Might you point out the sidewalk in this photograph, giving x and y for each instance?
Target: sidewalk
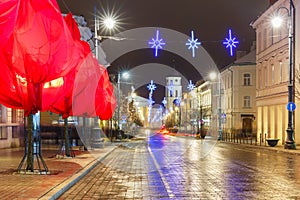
(64, 172)
(279, 148)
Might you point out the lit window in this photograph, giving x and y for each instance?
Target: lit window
(247, 79)
(247, 100)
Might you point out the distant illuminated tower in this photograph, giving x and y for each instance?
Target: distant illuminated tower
(173, 89)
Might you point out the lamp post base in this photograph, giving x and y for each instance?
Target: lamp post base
(220, 136)
(290, 143)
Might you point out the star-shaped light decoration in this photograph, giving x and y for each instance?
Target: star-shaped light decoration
(151, 86)
(151, 102)
(230, 42)
(193, 43)
(157, 43)
(191, 86)
(164, 102)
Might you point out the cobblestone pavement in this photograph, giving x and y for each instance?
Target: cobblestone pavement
(167, 167)
(63, 171)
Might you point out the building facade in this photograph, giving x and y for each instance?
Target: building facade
(11, 127)
(173, 90)
(238, 90)
(196, 109)
(272, 58)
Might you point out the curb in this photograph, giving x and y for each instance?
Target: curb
(277, 149)
(61, 188)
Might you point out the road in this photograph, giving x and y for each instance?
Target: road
(168, 167)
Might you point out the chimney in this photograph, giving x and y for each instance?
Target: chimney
(272, 2)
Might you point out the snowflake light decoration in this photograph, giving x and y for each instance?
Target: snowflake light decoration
(230, 42)
(193, 43)
(191, 86)
(151, 86)
(157, 43)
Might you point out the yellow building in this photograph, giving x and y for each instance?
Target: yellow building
(273, 59)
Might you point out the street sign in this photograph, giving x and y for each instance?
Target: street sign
(291, 106)
(224, 115)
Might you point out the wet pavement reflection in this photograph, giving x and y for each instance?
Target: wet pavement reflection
(168, 167)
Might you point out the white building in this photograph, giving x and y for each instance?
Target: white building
(239, 84)
(173, 90)
(272, 58)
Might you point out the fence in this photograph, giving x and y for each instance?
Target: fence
(252, 139)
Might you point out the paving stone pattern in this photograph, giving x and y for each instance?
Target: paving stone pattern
(144, 171)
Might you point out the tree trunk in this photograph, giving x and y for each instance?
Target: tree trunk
(30, 162)
(66, 138)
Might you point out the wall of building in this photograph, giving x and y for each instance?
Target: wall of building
(273, 74)
(11, 127)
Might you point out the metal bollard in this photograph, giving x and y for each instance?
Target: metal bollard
(260, 139)
(265, 139)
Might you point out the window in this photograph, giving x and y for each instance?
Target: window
(280, 72)
(259, 43)
(3, 133)
(273, 74)
(264, 45)
(247, 79)
(171, 88)
(266, 83)
(247, 101)
(1, 114)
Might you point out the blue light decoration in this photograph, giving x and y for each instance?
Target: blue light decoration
(164, 102)
(151, 87)
(157, 43)
(177, 102)
(193, 43)
(230, 42)
(191, 86)
(171, 88)
(151, 101)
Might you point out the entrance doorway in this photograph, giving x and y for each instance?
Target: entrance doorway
(247, 127)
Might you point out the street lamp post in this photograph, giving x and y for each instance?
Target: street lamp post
(220, 137)
(118, 111)
(290, 143)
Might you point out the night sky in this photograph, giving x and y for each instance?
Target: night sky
(210, 20)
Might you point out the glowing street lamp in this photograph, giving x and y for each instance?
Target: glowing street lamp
(109, 23)
(277, 21)
(106, 21)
